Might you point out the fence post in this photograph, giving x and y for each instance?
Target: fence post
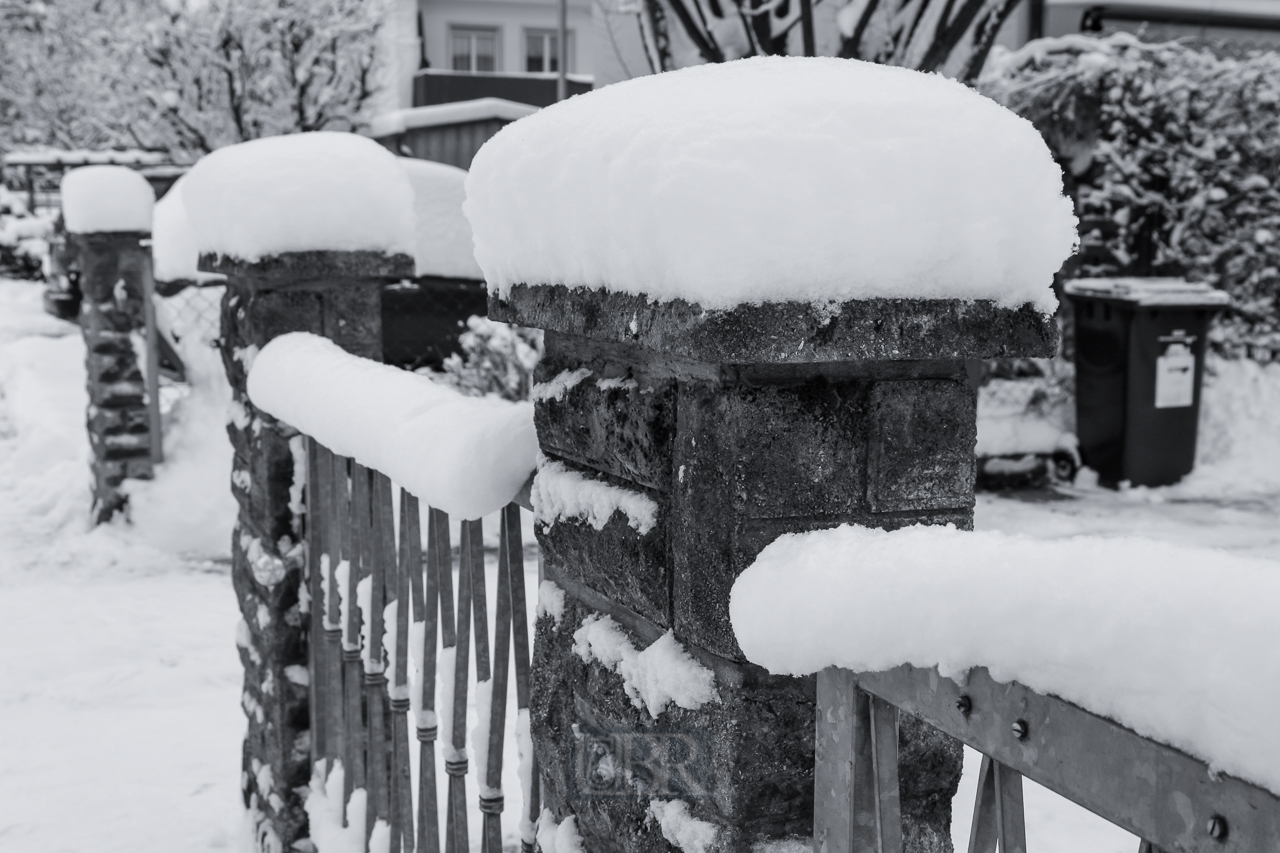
(337, 295)
(740, 426)
(116, 270)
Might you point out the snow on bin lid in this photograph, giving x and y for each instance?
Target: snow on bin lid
(105, 199)
(1178, 643)
(774, 179)
(443, 244)
(1148, 291)
(297, 193)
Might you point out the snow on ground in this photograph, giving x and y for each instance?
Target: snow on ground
(120, 703)
(867, 181)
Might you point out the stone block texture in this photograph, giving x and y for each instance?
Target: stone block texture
(737, 440)
(325, 294)
(112, 270)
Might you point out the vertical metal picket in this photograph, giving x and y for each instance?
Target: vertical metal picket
(514, 547)
(456, 836)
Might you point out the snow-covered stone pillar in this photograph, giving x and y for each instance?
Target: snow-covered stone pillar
(107, 210)
(759, 282)
(268, 216)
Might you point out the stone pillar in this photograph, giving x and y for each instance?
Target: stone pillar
(336, 295)
(741, 426)
(113, 266)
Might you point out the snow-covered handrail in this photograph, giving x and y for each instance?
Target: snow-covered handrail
(1131, 676)
(467, 456)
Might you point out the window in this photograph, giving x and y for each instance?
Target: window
(474, 48)
(542, 51)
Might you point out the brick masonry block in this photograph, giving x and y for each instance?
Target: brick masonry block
(923, 456)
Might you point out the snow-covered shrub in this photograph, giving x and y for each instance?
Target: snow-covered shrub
(1173, 155)
(24, 238)
(497, 359)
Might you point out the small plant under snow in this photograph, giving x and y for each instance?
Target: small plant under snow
(560, 493)
(681, 828)
(653, 678)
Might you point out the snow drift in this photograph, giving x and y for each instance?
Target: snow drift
(297, 193)
(774, 179)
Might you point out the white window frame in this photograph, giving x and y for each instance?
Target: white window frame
(472, 31)
(547, 34)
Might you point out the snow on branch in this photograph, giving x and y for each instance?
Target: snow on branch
(468, 456)
(1180, 644)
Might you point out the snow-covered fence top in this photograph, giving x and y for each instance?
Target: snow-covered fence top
(299, 193)
(467, 456)
(774, 179)
(1179, 644)
(99, 199)
(442, 235)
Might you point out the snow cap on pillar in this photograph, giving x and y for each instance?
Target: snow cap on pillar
(775, 179)
(106, 199)
(305, 192)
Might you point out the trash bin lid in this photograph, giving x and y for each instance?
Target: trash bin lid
(1149, 291)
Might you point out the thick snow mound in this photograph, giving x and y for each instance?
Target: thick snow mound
(775, 179)
(468, 456)
(106, 199)
(442, 236)
(1178, 643)
(298, 193)
(175, 254)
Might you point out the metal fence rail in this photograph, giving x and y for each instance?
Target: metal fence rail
(360, 694)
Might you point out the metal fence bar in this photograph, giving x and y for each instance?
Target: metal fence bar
(491, 804)
(456, 836)
(514, 547)
(375, 679)
(401, 775)
(333, 480)
(314, 581)
(427, 608)
(353, 539)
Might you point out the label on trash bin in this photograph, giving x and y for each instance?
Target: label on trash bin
(1175, 377)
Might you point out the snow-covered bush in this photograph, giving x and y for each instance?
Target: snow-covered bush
(24, 238)
(497, 359)
(1173, 155)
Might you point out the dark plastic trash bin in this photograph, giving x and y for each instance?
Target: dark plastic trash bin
(1139, 362)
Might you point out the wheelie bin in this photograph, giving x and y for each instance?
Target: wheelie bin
(1139, 354)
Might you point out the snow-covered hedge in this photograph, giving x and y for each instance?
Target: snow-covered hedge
(1176, 153)
(1178, 643)
(468, 456)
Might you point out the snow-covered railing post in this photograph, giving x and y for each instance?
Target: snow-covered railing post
(759, 282)
(107, 210)
(307, 229)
